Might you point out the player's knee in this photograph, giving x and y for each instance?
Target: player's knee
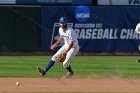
(54, 58)
(65, 65)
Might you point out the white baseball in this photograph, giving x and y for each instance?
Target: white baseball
(17, 83)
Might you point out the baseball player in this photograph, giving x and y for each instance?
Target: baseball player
(137, 30)
(69, 49)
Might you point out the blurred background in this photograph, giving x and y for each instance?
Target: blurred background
(103, 27)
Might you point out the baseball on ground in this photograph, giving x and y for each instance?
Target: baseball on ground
(17, 83)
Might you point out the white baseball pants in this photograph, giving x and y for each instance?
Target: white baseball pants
(71, 53)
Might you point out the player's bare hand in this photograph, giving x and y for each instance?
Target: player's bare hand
(53, 47)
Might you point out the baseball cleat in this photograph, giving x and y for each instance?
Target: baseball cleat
(41, 71)
(69, 74)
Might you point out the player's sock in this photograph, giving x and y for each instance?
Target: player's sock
(50, 64)
(69, 69)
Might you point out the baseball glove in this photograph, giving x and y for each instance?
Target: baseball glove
(61, 58)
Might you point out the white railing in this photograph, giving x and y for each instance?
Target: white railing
(118, 2)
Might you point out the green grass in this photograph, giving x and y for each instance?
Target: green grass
(84, 66)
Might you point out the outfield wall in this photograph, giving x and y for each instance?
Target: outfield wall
(100, 29)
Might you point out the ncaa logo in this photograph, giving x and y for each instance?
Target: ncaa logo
(82, 13)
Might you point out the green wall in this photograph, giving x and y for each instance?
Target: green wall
(19, 29)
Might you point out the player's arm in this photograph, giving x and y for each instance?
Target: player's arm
(57, 42)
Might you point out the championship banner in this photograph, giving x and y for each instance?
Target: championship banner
(99, 29)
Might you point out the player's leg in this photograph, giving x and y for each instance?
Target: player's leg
(139, 50)
(51, 62)
(72, 52)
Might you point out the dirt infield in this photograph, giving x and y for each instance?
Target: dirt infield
(8, 85)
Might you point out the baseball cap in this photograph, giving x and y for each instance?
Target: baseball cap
(63, 19)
